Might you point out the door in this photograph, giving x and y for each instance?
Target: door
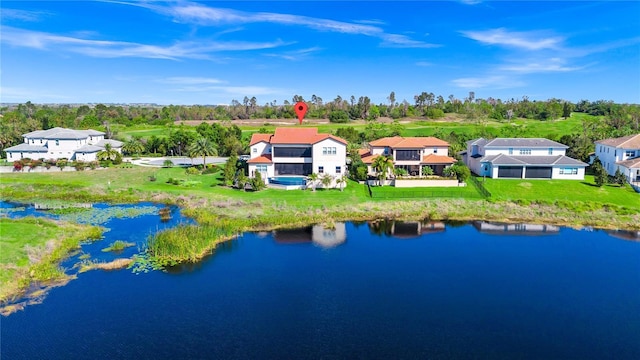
(538, 173)
(511, 172)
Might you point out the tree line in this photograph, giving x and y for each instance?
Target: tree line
(617, 119)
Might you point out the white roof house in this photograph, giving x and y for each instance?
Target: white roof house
(57, 143)
(622, 154)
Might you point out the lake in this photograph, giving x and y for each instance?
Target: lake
(385, 289)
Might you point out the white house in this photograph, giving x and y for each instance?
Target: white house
(289, 155)
(621, 153)
(521, 158)
(57, 143)
(410, 153)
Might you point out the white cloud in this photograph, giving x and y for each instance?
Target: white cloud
(493, 82)
(540, 66)
(296, 55)
(185, 80)
(22, 15)
(528, 40)
(113, 49)
(200, 14)
(424, 63)
(235, 90)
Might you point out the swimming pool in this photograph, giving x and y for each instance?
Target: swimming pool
(288, 180)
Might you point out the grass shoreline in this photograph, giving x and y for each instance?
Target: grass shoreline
(221, 212)
(32, 249)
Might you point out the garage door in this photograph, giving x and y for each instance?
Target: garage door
(538, 173)
(510, 172)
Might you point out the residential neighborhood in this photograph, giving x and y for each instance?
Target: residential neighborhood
(521, 158)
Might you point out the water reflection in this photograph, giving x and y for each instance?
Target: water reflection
(515, 229)
(321, 235)
(405, 229)
(629, 235)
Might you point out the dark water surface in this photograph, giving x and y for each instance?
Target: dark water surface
(428, 291)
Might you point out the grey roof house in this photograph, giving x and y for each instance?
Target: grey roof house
(521, 158)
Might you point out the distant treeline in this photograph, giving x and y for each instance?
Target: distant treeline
(618, 119)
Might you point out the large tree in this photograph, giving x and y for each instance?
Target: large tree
(202, 147)
(383, 166)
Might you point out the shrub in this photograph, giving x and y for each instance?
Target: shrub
(167, 163)
(192, 171)
(339, 116)
(62, 163)
(79, 165)
(93, 165)
(17, 165)
(427, 170)
(257, 183)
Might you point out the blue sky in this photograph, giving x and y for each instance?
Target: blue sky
(211, 52)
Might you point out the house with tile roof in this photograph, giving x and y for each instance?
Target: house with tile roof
(621, 153)
(410, 154)
(289, 155)
(58, 143)
(521, 158)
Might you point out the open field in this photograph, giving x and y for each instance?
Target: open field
(412, 127)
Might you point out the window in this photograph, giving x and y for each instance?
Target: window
(525, 151)
(254, 150)
(407, 154)
(550, 151)
(261, 168)
(293, 152)
(40, 141)
(435, 150)
(510, 151)
(568, 171)
(385, 151)
(57, 142)
(338, 170)
(630, 153)
(328, 151)
(320, 169)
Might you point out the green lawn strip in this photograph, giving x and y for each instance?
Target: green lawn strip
(44, 241)
(551, 191)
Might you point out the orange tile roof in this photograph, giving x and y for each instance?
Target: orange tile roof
(256, 138)
(363, 152)
(301, 136)
(386, 141)
(437, 159)
(262, 159)
(368, 158)
(408, 142)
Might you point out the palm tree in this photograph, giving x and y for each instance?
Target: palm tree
(202, 147)
(109, 153)
(340, 181)
(133, 146)
(382, 165)
(326, 180)
(313, 177)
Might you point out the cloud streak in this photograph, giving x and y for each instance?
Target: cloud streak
(115, 49)
(194, 13)
(527, 40)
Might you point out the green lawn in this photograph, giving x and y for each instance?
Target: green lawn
(391, 192)
(45, 241)
(563, 190)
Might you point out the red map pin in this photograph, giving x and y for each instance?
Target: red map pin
(301, 109)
